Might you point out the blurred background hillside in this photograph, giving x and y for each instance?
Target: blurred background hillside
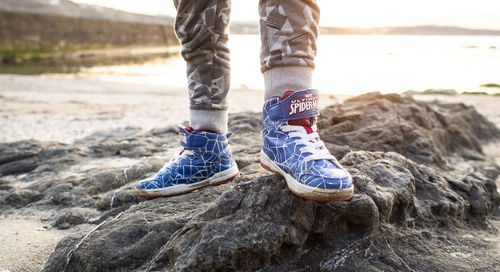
(41, 28)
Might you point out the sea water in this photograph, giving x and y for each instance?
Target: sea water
(363, 63)
(348, 64)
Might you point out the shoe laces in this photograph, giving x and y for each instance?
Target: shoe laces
(310, 141)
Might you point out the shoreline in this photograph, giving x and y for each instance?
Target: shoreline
(30, 56)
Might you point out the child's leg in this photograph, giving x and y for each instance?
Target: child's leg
(202, 27)
(206, 158)
(291, 144)
(288, 31)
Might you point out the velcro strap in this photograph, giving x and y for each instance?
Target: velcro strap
(298, 105)
(190, 140)
(197, 139)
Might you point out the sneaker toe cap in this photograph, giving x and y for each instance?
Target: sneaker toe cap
(143, 185)
(147, 185)
(329, 179)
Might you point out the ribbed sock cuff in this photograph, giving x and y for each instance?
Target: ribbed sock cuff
(281, 79)
(215, 120)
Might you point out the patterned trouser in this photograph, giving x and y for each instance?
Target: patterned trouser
(289, 29)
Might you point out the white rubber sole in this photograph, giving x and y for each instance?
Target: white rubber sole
(318, 194)
(219, 178)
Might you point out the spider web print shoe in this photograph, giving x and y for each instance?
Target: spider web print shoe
(296, 152)
(205, 160)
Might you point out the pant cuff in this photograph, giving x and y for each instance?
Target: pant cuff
(281, 79)
(214, 120)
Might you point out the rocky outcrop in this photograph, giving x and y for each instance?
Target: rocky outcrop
(428, 133)
(413, 208)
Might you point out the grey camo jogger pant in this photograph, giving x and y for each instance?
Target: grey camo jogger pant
(289, 29)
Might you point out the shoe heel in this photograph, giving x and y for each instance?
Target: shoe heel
(226, 180)
(267, 168)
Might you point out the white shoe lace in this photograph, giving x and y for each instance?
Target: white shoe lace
(312, 143)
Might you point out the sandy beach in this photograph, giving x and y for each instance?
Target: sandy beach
(64, 110)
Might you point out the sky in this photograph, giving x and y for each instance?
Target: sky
(354, 13)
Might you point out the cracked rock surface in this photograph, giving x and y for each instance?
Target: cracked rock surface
(425, 194)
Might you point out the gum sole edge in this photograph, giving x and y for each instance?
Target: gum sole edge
(316, 196)
(148, 195)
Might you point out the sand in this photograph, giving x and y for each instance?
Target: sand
(27, 242)
(64, 110)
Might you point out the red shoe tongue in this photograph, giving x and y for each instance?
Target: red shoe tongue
(305, 122)
(287, 94)
(190, 130)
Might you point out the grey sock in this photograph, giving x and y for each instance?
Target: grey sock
(214, 120)
(281, 79)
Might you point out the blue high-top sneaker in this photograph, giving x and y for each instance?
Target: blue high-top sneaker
(292, 148)
(205, 160)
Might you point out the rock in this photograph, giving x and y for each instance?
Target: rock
(5, 185)
(19, 166)
(18, 157)
(20, 198)
(426, 133)
(259, 224)
(26, 156)
(433, 92)
(17, 151)
(440, 91)
(117, 198)
(63, 226)
(245, 123)
(74, 216)
(422, 186)
(120, 142)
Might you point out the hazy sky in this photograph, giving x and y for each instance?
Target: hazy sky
(355, 13)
